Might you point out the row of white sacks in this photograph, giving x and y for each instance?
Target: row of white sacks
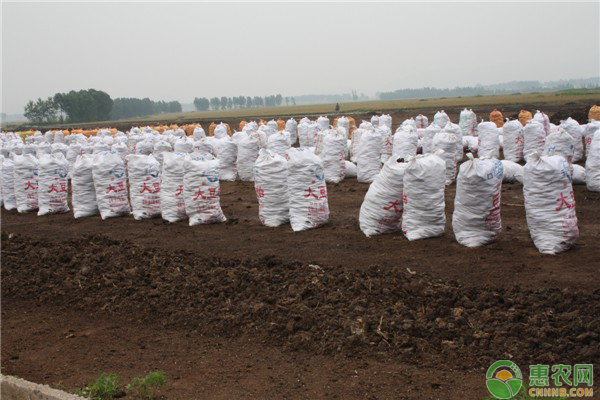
(405, 196)
(369, 147)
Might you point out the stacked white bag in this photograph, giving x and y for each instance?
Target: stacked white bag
(513, 140)
(387, 144)
(227, 154)
(172, 202)
(291, 126)
(247, 154)
(75, 150)
(270, 184)
(468, 122)
(576, 132)
(198, 133)
(307, 133)
(561, 144)
(110, 182)
(476, 219)
(441, 119)
(160, 148)
(332, 153)
(26, 182)
(423, 198)
(489, 142)
(53, 184)
(588, 134)
(323, 123)
(455, 129)
(550, 203)
(309, 207)
(202, 192)
(405, 142)
(534, 137)
(421, 121)
(356, 135)
(512, 172)
(446, 142)
(278, 143)
(375, 121)
(83, 190)
(385, 120)
(381, 210)
(428, 135)
(8, 184)
(592, 165)
(543, 119)
(368, 160)
(144, 184)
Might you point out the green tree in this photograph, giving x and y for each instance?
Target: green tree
(215, 102)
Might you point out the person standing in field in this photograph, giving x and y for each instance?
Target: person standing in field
(337, 107)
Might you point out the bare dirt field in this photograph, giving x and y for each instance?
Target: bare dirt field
(239, 310)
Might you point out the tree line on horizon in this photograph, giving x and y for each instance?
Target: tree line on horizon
(229, 103)
(93, 105)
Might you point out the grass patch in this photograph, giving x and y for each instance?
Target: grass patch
(105, 388)
(146, 387)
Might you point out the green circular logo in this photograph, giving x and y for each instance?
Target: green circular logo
(504, 379)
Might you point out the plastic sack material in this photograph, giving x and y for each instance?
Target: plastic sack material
(198, 133)
(8, 184)
(385, 120)
(592, 165)
(350, 170)
(578, 175)
(468, 122)
(309, 207)
(387, 144)
(332, 154)
(354, 144)
(110, 181)
(405, 142)
(278, 143)
(160, 148)
(248, 149)
(561, 144)
(588, 134)
(270, 184)
(307, 133)
(368, 160)
(421, 121)
(172, 202)
(202, 192)
(323, 123)
(550, 203)
(291, 126)
(227, 155)
(576, 131)
(26, 182)
(512, 172)
(543, 119)
(489, 142)
(381, 210)
(441, 119)
(83, 189)
(375, 121)
(534, 139)
(428, 135)
(446, 142)
(423, 197)
(513, 141)
(144, 185)
(455, 129)
(53, 184)
(476, 220)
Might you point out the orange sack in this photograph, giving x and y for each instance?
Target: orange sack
(524, 117)
(497, 118)
(594, 113)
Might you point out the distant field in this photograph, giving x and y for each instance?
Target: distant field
(560, 97)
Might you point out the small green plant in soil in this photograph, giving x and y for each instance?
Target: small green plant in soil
(105, 388)
(146, 387)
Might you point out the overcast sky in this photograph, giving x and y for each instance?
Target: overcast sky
(180, 51)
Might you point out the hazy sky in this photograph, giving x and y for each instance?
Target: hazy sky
(178, 51)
